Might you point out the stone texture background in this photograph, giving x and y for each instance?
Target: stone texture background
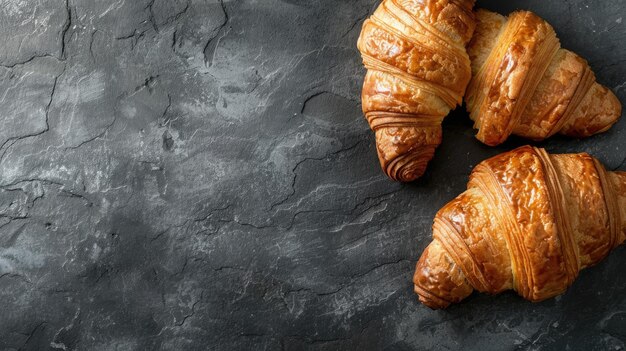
(196, 174)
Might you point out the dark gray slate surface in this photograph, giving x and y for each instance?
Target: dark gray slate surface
(197, 175)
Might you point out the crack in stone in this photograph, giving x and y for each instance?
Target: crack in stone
(175, 17)
(32, 333)
(174, 39)
(380, 226)
(30, 180)
(91, 53)
(164, 122)
(378, 266)
(193, 311)
(355, 23)
(57, 344)
(66, 29)
(311, 341)
(29, 60)
(295, 168)
(338, 210)
(151, 15)
(71, 194)
(16, 275)
(211, 46)
(14, 140)
(135, 36)
(611, 64)
(96, 137)
(306, 101)
(211, 212)
(353, 279)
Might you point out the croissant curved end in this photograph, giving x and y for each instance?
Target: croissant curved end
(409, 166)
(597, 113)
(404, 152)
(438, 281)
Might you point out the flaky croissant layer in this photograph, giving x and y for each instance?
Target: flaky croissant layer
(418, 70)
(529, 221)
(523, 83)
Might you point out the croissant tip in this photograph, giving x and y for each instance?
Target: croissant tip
(429, 300)
(489, 141)
(406, 176)
(410, 166)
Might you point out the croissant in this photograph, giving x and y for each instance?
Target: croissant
(523, 83)
(529, 221)
(418, 69)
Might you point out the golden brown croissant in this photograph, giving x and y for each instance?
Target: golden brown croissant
(529, 221)
(418, 70)
(523, 83)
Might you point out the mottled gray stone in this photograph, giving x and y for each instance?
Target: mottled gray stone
(198, 175)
